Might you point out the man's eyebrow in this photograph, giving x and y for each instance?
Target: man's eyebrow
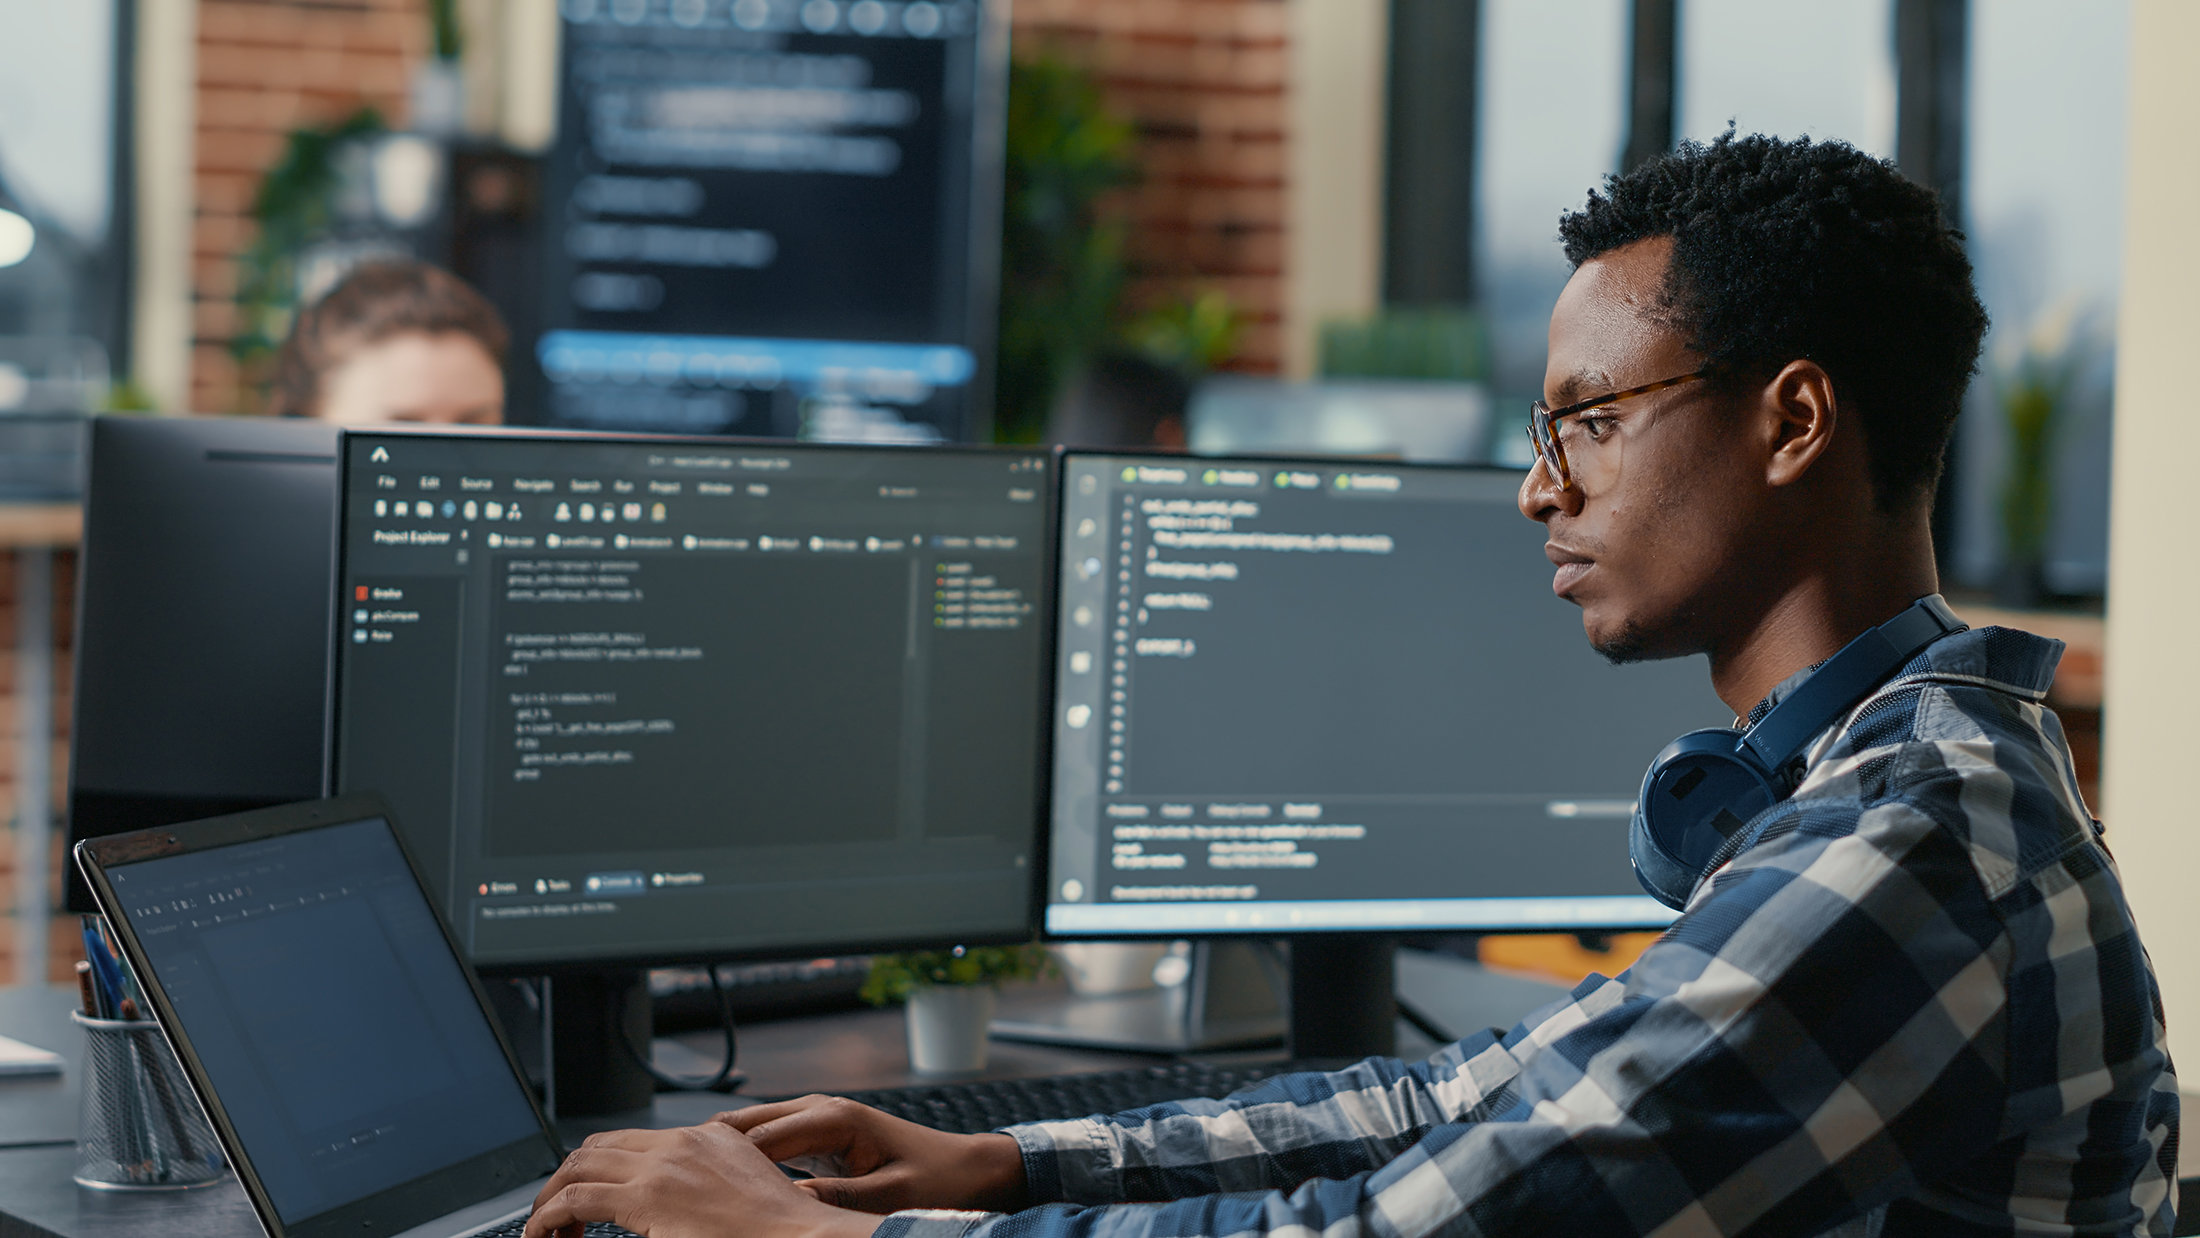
(1578, 386)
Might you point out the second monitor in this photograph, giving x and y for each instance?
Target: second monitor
(643, 701)
(1334, 697)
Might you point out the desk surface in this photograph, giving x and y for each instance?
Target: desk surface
(40, 1110)
(38, 1117)
(845, 1052)
(840, 1052)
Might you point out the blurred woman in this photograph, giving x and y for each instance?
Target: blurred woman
(394, 340)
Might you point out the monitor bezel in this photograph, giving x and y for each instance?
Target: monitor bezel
(724, 952)
(178, 454)
(1063, 458)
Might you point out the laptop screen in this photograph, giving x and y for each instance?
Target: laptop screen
(327, 1011)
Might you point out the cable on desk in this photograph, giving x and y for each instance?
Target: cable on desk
(726, 1080)
(1420, 1022)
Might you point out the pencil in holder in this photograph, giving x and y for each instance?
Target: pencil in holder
(141, 1128)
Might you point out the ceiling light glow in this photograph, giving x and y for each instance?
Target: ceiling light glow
(16, 238)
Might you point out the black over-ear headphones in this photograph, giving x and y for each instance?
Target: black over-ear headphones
(1707, 784)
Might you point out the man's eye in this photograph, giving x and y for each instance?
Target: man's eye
(1596, 426)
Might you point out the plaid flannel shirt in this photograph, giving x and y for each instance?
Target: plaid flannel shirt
(1914, 1003)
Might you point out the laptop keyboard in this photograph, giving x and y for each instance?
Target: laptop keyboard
(513, 1228)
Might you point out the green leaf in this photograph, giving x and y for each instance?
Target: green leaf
(893, 977)
(292, 207)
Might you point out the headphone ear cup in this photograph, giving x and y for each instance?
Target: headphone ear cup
(1661, 876)
(1707, 785)
(1700, 790)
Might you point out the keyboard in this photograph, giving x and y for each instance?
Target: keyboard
(979, 1106)
(514, 1227)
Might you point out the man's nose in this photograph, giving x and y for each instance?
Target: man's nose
(1541, 496)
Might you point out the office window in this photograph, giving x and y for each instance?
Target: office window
(1788, 67)
(1552, 109)
(2043, 196)
(58, 122)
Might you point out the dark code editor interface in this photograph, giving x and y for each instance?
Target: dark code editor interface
(1298, 696)
(637, 699)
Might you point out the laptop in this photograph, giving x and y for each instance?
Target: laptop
(343, 1051)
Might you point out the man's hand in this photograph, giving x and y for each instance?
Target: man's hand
(882, 1163)
(703, 1181)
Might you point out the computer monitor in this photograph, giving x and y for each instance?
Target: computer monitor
(202, 621)
(775, 217)
(649, 700)
(1323, 698)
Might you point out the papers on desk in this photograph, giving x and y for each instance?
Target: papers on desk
(17, 1059)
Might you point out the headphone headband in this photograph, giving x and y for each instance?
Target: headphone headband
(1848, 677)
(1707, 785)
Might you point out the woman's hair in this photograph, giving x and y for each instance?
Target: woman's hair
(375, 301)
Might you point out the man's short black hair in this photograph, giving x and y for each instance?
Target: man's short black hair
(1802, 249)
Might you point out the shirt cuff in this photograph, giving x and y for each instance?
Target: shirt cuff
(930, 1223)
(1067, 1162)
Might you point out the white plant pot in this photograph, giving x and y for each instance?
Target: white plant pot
(947, 1025)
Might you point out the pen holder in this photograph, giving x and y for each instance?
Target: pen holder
(141, 1128)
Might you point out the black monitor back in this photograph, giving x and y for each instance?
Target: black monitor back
(202, 621)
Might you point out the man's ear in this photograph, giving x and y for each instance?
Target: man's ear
(1800, 415)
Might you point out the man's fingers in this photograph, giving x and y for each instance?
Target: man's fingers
(823, 1129)
(599, 1164)
(573, 1206)
(753, 1116)
(632, 1140)
(591, 1163)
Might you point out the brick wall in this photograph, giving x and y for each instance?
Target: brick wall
(60, 952)
(266, 67)
(1204, 82)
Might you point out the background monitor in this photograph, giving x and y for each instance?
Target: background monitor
(1390, 418)
(775, 218)
(1331, 697)
(643, 701)
(202, 621)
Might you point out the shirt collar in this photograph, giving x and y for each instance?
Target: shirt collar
(2003, 657)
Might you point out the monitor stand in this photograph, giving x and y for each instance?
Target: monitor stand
(1344, 995)
(576, 1022)
(1231, 999)
(591, 1072)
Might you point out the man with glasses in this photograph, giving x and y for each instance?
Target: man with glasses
(1906, 999)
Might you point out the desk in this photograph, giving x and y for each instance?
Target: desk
(838, 1052)
(38, 1117)
(40, 1110)
(843, 1052)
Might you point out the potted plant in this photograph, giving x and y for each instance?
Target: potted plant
(2034, 395)
(951, 995)
(1062, 261)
